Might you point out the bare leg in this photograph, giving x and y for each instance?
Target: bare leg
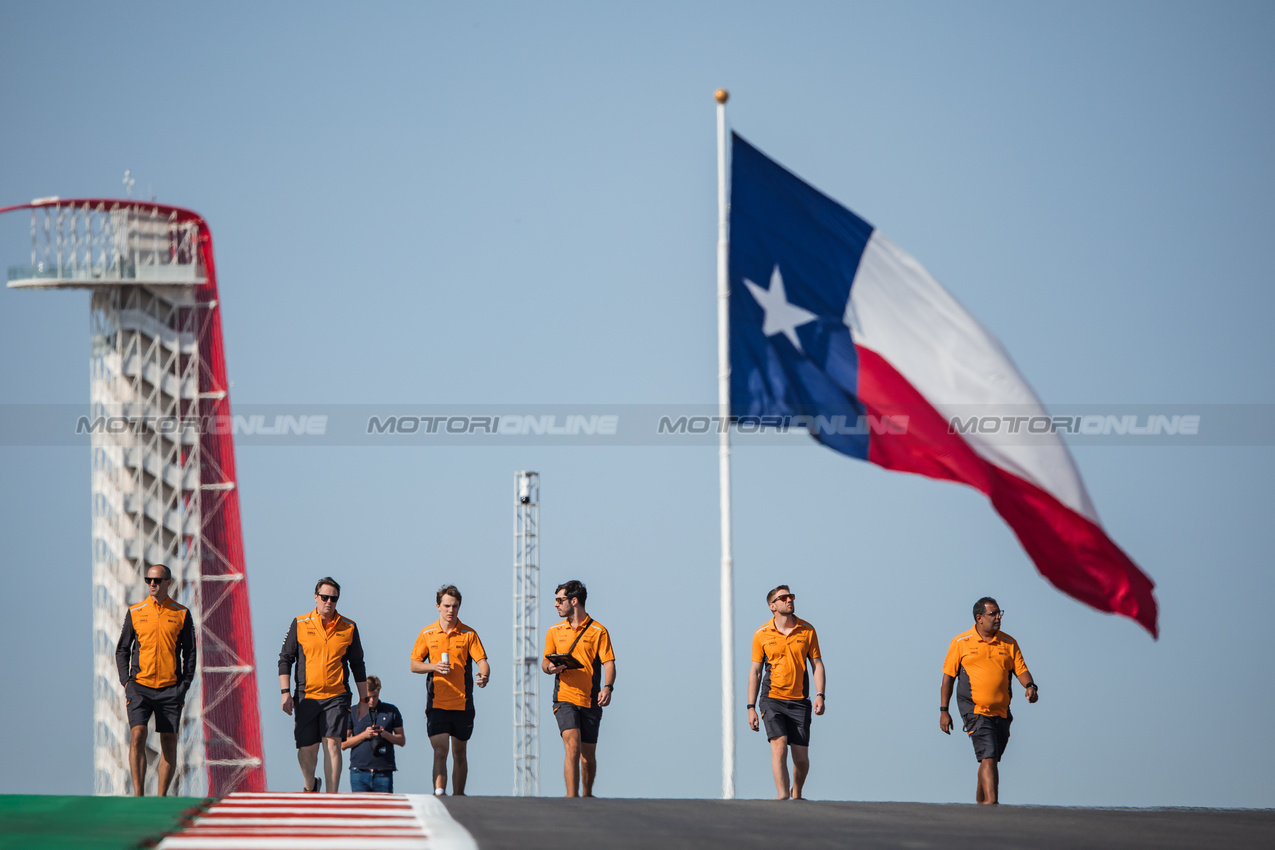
(988, 782)
(332, 763)
(571, 762)
(800, 767)
(167, 760)
(308, 758)
(460, 767)
(137, 759)
(779, 765)
(439, 743)
(588, 767)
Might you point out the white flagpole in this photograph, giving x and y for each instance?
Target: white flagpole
(723, 454)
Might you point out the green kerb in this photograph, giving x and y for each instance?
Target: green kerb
(29, 822)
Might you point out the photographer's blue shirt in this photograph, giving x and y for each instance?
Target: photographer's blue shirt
(363, 755)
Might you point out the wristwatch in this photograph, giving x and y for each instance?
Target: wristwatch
(751, 705)
(943, 708)
(612, 687)
(283, 690)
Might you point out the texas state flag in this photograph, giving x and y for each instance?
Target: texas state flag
(832, 323)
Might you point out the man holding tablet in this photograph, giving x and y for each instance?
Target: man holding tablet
(578, 654)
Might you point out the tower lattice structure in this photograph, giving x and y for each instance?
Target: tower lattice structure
(163, 472)
(526, 634)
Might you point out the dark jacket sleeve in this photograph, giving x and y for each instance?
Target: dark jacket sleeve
(186, 650)
(124, 648)
(288, 654)
(354, 655)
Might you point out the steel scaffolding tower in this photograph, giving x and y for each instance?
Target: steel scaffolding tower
(163, 479)
(526, 634)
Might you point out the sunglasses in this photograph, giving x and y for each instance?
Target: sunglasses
(327, 598)
(153, 580)
(786, 597)
(558, 600)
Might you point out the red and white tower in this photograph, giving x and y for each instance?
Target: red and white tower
(163, 470)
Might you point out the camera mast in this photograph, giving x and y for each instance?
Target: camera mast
(526, 634)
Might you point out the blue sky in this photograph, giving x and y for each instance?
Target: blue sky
(508, 204)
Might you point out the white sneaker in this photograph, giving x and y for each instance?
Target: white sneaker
(438, 792)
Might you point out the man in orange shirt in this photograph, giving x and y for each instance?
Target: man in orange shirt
(579, 693)
(326, 650)
(444, 651)
(155, 657)
(980, 662)
(779, 686)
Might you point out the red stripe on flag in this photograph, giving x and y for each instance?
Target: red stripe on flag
(1069, 550)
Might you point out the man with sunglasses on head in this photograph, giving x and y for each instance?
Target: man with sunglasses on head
(980, 663)
(326, 650)
(779, 689)
(578, 654)
(155, 657)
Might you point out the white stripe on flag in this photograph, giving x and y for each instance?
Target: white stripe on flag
(898, 310)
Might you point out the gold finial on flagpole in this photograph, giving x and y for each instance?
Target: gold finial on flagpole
(721, 95)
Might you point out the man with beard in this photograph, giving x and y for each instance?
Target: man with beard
(579, 656)
(779, 689)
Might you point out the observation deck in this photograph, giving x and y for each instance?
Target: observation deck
(91, 244)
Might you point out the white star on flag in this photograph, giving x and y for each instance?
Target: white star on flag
(782, 316)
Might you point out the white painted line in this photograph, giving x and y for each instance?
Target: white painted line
(444, 832)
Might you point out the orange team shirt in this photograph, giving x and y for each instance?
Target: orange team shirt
(455, 691)
(580, 687)
(785, 675)
(154, 635)
(321, 654)
(982, 669)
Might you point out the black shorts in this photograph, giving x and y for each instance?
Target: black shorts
(165, 703)
(990, 735)
(455, 722)
(572, 716)
(321, 718)
(786, 718)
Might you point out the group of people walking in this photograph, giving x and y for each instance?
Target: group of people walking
(322, 654)
(324, 650)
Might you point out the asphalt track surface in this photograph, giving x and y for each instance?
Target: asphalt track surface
(533, 823)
